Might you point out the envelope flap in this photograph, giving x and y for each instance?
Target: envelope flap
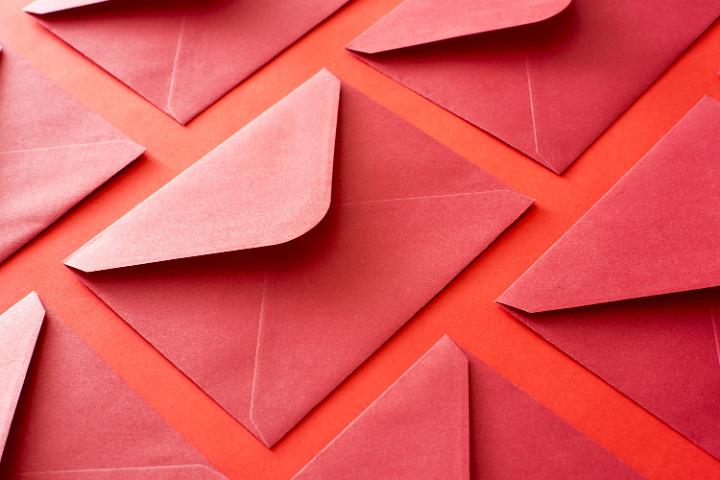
(267, 184)
(417, 429)
(416, 22)
(42, 7)
(657, 231)
(19, 329)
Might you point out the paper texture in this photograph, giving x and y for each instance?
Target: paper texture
(19, 329)
(76, 419)
(631, 290)
(53, 152)
(418, 429)
(549, 85)
(181, 55)
(268, 332)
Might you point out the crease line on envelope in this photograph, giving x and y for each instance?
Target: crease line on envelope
(541, 158)
(120, 469)
(261, 315)
(176, 58)
(60, 147)
(422, 197)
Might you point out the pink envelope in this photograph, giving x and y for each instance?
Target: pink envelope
(53, 152)
(274, 266)
(76, 419)
(181, 55)
(450, 416)
(545, 76)
(631, 290)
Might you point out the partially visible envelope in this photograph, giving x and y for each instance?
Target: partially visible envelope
(19, 329)
(545, 76)
(274, 266)
(450, 416)
(181, 55)
(631, 291)
(53, 152)
(76, 419)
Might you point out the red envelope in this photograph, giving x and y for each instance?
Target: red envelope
(545, 76)
(274, 266)
(450, 416)
(631, 290)
(53, 152)
(181, 55)
(76, 419)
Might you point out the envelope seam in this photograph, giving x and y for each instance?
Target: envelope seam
(422, 197)
(121, 469)
(176, 58)
(60, 147)
(261, 315)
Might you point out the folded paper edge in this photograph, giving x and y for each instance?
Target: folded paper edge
(444, 341)
(44, 7)
(356, 45)
(82, 265)
(33, 299)
(505, 300)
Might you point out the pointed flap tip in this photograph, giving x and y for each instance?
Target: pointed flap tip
(31, 307)
(653, 233)
(418, 22)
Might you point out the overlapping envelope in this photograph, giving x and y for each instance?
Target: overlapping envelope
(181, 55)
(450, 416)
(545, 76)
(53, 152)
(631, 291)
(274, 266)
(76, 419)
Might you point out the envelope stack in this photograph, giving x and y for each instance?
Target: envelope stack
(275, 266)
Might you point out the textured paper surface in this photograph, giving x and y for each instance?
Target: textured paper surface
(181, 55)
(19, 328)
(418, 429)
(643, 267)
(76, 419)
(547, 88)
(269, 332)
(53, 152)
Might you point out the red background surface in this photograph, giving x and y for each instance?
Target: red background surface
(465, 309)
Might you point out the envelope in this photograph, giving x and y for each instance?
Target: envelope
(181, 55)
(451, 416)
(53, 152)
(547, 77)
(274, 266)
(631, 290)
(76, 419)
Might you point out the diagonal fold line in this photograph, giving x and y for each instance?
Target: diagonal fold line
(60, 147)
(176, 59)
(423, 197)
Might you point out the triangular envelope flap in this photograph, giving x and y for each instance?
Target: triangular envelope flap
(655, 232)
(76, 414)
(53, 152)
(19, 329)
(267, 184)
(417, 429)
(416, 22)
(507, 424)
(42, 7)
